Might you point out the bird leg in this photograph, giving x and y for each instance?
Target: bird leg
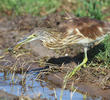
(80, 65)
(85, 57)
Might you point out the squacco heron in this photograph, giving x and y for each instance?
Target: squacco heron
(84, 31)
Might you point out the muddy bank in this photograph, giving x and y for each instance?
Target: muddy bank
(7, 96)
(90, 81)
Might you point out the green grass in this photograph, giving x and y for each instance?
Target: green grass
(103, 57)
(91, 8)
(34, 7)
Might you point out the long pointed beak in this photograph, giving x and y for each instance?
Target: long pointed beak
(25, 40)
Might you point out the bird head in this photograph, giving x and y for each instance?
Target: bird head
(27, 39)
(35, 35)
(21, 42)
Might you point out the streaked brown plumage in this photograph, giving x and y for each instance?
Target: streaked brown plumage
(83, 31)
(76, 30)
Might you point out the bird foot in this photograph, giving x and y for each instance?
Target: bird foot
(78, 68)
(74, 71)
(85, 65)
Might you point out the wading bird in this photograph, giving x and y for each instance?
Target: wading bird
(84, 31)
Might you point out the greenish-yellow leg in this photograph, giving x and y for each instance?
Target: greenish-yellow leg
(80, 65)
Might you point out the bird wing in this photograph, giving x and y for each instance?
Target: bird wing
(91, 28)
(77, 30)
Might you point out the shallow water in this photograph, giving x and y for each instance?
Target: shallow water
(32, 88)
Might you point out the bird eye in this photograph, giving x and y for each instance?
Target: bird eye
(57, 23)
(34, 35)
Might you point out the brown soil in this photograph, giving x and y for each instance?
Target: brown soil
(94, 81)
(7, 96)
